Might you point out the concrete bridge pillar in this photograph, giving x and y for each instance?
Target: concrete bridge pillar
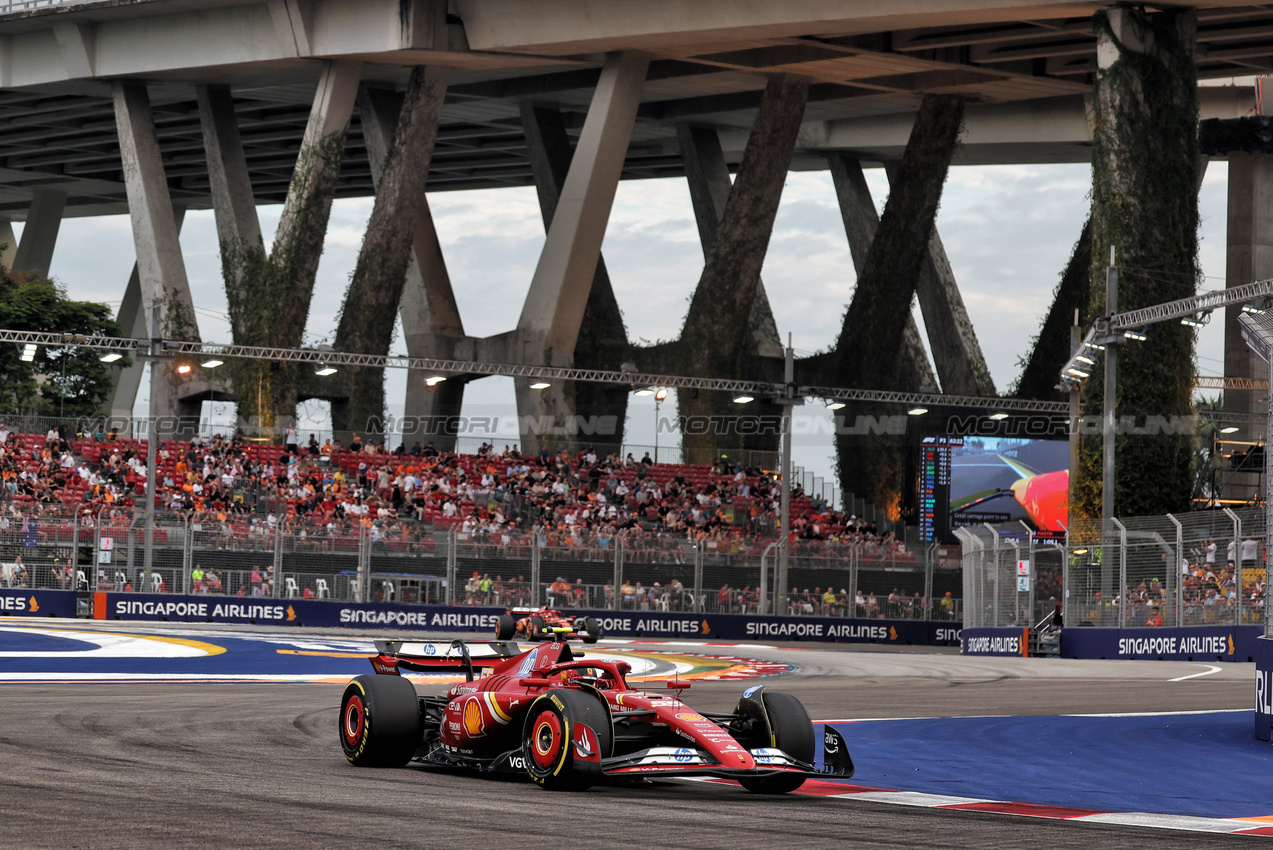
(388, 250)
(35, 251)
(1249, 257)
(10, 244)
(161, 271)
(603, 340)
(718, 327)
(427, 308)
(549, 326)
(1145, 163)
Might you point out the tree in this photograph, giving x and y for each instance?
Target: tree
(61, 381)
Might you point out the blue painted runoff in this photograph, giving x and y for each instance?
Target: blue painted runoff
(1207, 765)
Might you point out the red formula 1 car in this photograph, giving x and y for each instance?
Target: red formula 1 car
(569, 722)
(546, 624)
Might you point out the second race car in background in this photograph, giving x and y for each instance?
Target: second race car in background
(546, 624)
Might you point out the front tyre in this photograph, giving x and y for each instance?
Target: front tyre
(505, 627)
(591, 630)
(790, 731)
(380, 721)
(566, 735)
(535, 628)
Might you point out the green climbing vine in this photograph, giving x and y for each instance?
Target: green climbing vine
(1145, 169)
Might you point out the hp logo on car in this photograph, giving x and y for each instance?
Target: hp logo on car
(430, 649)
(682, 755)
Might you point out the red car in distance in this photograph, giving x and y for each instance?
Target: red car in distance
(546, 624)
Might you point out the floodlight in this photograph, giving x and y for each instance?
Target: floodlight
(540, 385)
(325, 370)
(212, 364)
(111, 358)
(434, 380)
(917, 411)
(834, 405)
(743, 399)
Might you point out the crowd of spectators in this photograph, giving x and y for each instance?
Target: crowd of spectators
(500, 501)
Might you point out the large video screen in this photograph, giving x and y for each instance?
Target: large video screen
(973, 480)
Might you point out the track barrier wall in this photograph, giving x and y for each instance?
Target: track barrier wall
(1199, 643)
(1264, 688)
(326, 614)
(992, 641)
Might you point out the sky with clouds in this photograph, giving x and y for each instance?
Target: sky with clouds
(1008, 231)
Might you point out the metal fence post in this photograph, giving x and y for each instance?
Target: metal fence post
(995, 556)
(1122, 573)
(763, 606)
(363, 583)
(616, 599)
(278, 560)
(1016, 593)
(929, 566)
(187, 556)
(698, 571)
(534, 569)
(1174, 576)
(452, 542)
(1034, 574)
(1237, 561)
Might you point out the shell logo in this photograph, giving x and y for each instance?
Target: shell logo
(474, 723)
(690, 718)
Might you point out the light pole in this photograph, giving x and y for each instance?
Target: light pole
(659, 395)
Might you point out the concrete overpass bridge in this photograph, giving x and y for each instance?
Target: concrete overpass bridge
(154, 107)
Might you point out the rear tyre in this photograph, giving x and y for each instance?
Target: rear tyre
(591, 630)
(505, 627)
(536, 628)
(791, 732)
(558, 750)
(380, 721)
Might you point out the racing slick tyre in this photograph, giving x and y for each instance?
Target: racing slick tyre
(535, 631)
(505, 627)
(557, 748)
(589, 629)
(380, 721)
(792, 732)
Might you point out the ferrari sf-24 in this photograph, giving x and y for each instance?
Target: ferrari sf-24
(568, 721)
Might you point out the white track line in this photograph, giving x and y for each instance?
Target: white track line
(1211, 668)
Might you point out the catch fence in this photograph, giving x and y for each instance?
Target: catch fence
(1201, 568)
(53, 546)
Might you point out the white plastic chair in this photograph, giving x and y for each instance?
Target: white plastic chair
(292, 588)
(387, 587)
(156, 582)
(81, 580)
(321, 585)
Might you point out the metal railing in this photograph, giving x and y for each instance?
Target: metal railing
(58, 546)
(1193, 569)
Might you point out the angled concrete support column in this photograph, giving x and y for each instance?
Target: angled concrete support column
(857, 210)
(268, 295)
(10, 243)
(869, 351)
(961, 367)
(707, 174)
(1249, 257)
(233, 204)
(1052, 348)
(716, 330)
(603, 340)
(35, 251)
(548, 328)
(376, 287)
(134, 322)
(427, 308)
(161, 271)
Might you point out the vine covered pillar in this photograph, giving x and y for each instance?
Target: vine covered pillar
(549, 326)
(428, 310)
(857, 210)
(1145, 163)
(603, 339)
(869, 352)
(161, 271)
(707, 174)
(380, 275)
(268, 295)
(718, 327)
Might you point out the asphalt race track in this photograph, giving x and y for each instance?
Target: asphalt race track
(145, 761)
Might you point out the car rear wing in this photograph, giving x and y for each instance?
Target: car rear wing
(454, 656)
